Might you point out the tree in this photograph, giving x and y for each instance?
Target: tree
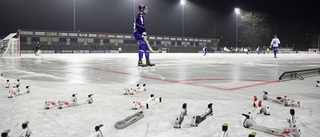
(254, 30)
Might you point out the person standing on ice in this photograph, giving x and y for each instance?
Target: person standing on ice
(264, 49)
(205, 50)
(119, 49)
(37, 48)
(275, 43)
(139, 31)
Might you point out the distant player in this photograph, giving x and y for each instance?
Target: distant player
(246, 50)
(119, 49)
(275, 43)
(37, 49)
(225, 49)
(139, 31)
(205, 50)
(264, 49)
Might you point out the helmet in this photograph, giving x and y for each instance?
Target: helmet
(275, 36)
(143, 8)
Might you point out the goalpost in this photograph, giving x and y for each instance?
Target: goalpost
(11, 46)
(313, 51)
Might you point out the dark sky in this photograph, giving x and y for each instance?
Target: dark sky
(164, 16)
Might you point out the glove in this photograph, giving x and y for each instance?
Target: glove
(144, 35)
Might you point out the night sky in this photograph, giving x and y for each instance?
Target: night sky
(202, 18)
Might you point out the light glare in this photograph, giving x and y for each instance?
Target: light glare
(237, 10)
(183, 2)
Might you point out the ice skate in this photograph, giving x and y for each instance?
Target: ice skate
(25, 131)
(50, 104)
(140, 64)
(149, 64)
(291, 131)
(224, 130)
(5, 133)
(200, 118)
(179, 119)
(139, 88)
(69, 103)
(7, 84)
(260, 109)
(146, 104)
(281, 100)
(97, 132)
(253, 134)
(126, 91)
(18, 82)
(15, 91)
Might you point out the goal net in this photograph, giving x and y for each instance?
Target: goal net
(10, 46)
(313, 51)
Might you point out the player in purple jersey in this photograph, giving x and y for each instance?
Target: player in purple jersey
(205, 50)
(139, 31)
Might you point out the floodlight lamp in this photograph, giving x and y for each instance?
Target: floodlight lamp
(237, 10)
(183, 2)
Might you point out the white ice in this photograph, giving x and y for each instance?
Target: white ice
(229, 81)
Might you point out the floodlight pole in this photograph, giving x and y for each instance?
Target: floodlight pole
(237, 10)
(74, 15)
(182, 2)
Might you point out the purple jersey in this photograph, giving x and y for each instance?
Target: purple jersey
(138, 25)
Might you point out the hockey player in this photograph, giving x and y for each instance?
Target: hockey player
(225, 49)
(275, 43)
(264, 49)
(37, 49)
(205, 50)
(119, 49)
(139, 31)
(246, 50)
(258, 50)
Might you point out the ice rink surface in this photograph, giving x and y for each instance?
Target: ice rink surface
(229, 81)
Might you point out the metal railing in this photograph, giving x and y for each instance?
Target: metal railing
(299, 74)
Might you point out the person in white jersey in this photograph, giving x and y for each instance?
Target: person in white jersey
(275, 43)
